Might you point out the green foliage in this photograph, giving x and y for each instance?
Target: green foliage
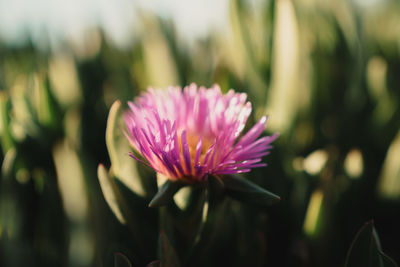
(366, 250)
(326, 72)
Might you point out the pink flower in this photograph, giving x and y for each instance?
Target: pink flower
(194, 133)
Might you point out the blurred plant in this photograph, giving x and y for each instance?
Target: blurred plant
(366, 249)
(327, 72)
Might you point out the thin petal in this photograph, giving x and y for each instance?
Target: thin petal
(185, 152)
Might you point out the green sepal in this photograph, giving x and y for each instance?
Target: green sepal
(120, 260)
(244, 190)
(215, 184)
(165, 194)
(366, 250)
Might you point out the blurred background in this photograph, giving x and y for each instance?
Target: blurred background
(327, 73)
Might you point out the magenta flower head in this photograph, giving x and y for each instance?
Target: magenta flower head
(192, 133)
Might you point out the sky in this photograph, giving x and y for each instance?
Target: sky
(59, 18)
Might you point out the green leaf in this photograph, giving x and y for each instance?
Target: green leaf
(387, 261)
(45, 103)
(7, 166)
(110, 135)
(155, 263)
(169, 257)
(244, 190)
(115, 194)
(165, 194)
(6, 139)
(120, 260)
(110, 192)
(315, 215)
(366, 250)
(122, 166)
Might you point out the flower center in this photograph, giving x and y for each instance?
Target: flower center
(195, 148)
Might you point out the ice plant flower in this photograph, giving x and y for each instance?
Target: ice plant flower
(192, 133)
